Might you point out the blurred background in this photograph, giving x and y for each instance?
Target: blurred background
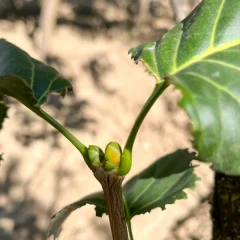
(88, 42)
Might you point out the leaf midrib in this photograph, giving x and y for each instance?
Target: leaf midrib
(213, 83)
(208, 52)
(215, 25)
(163, 194)
(210, 49)
(142, 192)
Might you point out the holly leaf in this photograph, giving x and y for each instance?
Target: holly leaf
(26, 79)
(201, 56)
(160, 184)
(58, 219)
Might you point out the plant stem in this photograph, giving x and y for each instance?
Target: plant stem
(80, 146)
(112, 188)
(128, 220)
(159, 89)
(126, 161)
(226, 207)
(129, 225)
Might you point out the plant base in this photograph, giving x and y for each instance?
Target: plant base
(112, 188)
(226, 208)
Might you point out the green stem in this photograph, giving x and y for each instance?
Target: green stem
(80, 146)
(126, 160)
(128, 220)
(160, 87)
(129, 225)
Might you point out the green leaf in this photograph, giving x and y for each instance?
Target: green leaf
(30, 81)
(3, 115)
(26, 79)
(160, 184)
(58, 219)
(202, 57)
(3, 110)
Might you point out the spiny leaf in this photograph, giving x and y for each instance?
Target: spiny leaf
(202, 56)
(160, 184)
(58, 219)
(26, 79)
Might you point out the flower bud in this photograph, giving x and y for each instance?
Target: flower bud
(95, 155)
(112, 157)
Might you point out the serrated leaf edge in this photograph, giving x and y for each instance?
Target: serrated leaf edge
(181, 196)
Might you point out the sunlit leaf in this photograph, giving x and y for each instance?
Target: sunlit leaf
(160, 184)
(26, 79)
(202, 57)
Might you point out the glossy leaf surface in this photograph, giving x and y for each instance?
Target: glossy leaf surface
(160, 184)
(26, 79)
(58, 219)
(202, 57)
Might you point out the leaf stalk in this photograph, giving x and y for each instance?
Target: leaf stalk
(128, 218)
(80, 146)
(126, 161)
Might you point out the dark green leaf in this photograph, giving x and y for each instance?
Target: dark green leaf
(202, 57)
(3, 115)
(26, 79)
(3, 110)
(160, 184)
(58, 219)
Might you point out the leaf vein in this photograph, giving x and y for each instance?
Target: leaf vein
(205, 54)
(219, 87)
(33, 75)
(162, 194)
(47, 90)
(141, 193)
(221, 63)
(215, 25)
(176, 55)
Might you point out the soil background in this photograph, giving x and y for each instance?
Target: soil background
(42, 172)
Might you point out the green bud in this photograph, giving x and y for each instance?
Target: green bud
(126, 163)
(95, 155)
(112, 158)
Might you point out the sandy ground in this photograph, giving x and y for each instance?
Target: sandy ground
(43, 172)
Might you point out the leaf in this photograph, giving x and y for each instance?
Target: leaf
(160, 184)
(26, 79)
(3, 110)
(3, 115)
(58, 219)
(202, 57)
